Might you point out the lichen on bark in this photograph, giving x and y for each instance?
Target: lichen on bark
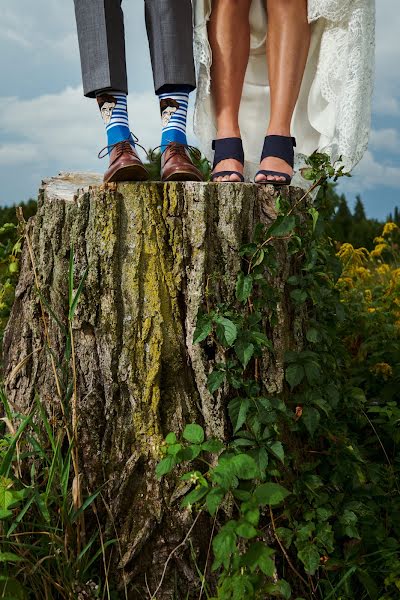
(152, 251)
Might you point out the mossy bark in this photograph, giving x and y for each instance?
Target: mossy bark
(152, 252)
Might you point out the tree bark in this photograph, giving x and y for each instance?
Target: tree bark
(153, 253)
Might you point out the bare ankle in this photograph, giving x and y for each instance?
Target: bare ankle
(227, 133)
(285, 131)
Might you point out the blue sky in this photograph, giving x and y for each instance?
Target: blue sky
(47, 126)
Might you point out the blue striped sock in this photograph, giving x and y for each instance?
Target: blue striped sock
(173, 107)
(114, 112)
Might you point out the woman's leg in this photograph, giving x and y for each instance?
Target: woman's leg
(229, 36)
(288, 42)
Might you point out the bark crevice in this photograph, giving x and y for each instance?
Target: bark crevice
(153, 252)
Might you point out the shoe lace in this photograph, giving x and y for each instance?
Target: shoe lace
(176, 148)
(122, 146)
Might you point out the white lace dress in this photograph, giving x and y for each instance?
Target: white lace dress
(334, 106)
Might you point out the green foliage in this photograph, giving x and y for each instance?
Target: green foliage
(317, 465)
(47, 549)
(10, 250)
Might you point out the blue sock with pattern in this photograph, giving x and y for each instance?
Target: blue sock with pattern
(174, 106)
(114, 112)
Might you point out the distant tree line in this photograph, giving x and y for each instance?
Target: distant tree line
(8, 213)
(354, 227)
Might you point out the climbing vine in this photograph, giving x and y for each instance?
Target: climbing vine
(291, 493)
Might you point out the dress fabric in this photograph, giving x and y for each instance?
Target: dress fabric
(333, 110)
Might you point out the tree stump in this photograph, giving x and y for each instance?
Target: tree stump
(152, 252)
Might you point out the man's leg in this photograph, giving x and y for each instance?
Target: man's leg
(170, 31)
(100, 25)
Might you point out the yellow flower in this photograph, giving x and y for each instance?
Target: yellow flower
(371, 309)
(362, 272)
(368, 295)
(383, 269)
(377, 251)
(346, 281)
(379, 240)
(382, 369)
(396, 274)
(389, 228)
(350, 255)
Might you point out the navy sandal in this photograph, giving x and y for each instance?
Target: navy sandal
(279, 146)
(224, 149)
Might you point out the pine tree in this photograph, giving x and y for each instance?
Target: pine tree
(359, 211)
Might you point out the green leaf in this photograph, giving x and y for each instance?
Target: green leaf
(165, 466)
(324, 537)
(194, 433)
(214, 499)
(277, 450)
(310, 558)
(307, 173)
(259, 257)
(246, 530)
(171, 438)
(280, 589)
(226, 331)
(9, 497)
(260, 455)
(244, 286)
(238, 409)
(282, 226)
(203, 328)
(173, 449)
(10, 557)
(224, 545)
(215, 380)
(251, 514)
(260, 339)
(259, 555)
(194, 496)
(244, 351)
(189, 453)
(213, 446)
(298, 295)
(348, 520)
(294, 374)
(311, 418)
(314, 214)
(285, 535)
(270, 494)
(313, 372)
(244, 466)
(312, 335)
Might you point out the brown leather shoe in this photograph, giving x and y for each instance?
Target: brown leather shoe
(125, 165)
(176, 164)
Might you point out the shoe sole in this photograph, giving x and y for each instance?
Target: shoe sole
(129, 173)
(182, 176)
(274, 183)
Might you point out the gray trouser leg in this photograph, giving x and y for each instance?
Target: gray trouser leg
(170, 33)
(100, 25)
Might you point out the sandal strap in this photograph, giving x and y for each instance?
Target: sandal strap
(287, 177)
(279, 146)
(223, 173)
(226, 148)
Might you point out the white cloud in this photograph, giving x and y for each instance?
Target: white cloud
(67, 128)
(370, 174)
(385, 139)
